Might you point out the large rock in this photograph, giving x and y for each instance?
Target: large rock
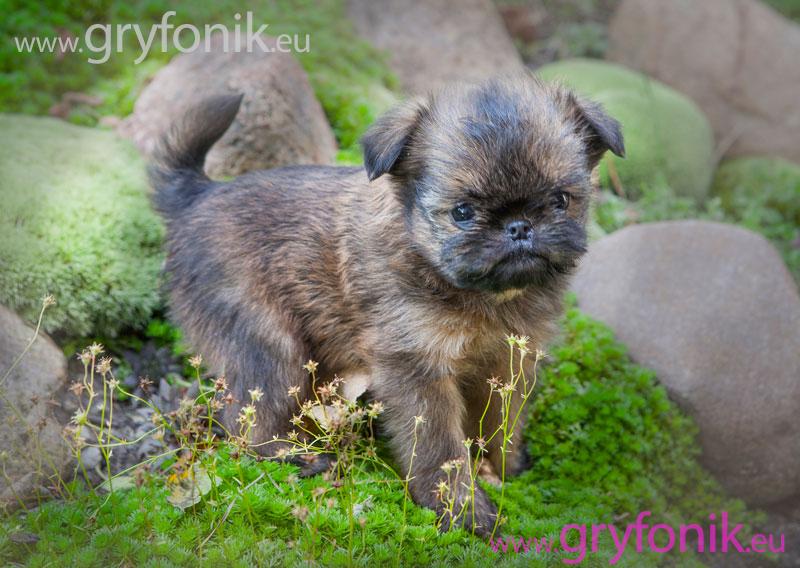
(32, 448)
(280, 122)
(712, 309)
(75, 222)
(667, 138)
(432, 43)
(736, 58)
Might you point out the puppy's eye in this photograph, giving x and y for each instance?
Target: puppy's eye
(562, 200)
(463, 213)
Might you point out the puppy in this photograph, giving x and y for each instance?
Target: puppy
(463, 226)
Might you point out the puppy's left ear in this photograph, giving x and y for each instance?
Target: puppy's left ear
(600, 131)
(387, 141)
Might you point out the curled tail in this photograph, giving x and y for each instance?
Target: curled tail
(176, 172)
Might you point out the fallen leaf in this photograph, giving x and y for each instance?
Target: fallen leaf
(189, 490)
(119, 483)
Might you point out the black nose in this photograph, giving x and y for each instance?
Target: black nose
(519, 230)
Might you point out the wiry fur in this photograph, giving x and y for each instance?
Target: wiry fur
(278, 267)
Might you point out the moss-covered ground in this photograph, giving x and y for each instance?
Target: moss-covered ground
(605, 441)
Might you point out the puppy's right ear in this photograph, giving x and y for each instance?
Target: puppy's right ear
(600, 131)
(387, 140)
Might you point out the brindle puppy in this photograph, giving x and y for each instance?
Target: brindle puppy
(463, 227)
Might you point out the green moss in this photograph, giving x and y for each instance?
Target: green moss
(769, 182)
(75, 223)
(763, 194)
(606, 444)
(666, 135)
(789, 8)
(350, 77)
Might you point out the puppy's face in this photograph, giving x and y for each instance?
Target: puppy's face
(495, 179)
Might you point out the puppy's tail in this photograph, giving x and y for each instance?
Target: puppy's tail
(176, 172)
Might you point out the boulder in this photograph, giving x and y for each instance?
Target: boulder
(32, 450)
(430, 44)
(75, 222)
(712, 309)
(279, 123)
(667, 138)
(736, 58)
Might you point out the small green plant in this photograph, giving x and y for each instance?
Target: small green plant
(579, 39)
(334, 424)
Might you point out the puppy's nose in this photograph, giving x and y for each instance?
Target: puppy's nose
(519, 230)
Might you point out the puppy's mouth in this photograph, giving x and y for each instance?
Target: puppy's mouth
(519, 266)
(523, 267)
(522, 253)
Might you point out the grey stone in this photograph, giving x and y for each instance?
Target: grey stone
(31, 446)
(714, 311)
(736, 58)
(432, 43)
(91, 457)
(165, 390)
(280, 122)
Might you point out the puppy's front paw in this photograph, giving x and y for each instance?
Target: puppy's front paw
(487, 473)
(312, 464)
(475, 512)
(457, 499)
(309, 464)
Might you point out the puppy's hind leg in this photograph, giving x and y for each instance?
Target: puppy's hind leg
(261, 368)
